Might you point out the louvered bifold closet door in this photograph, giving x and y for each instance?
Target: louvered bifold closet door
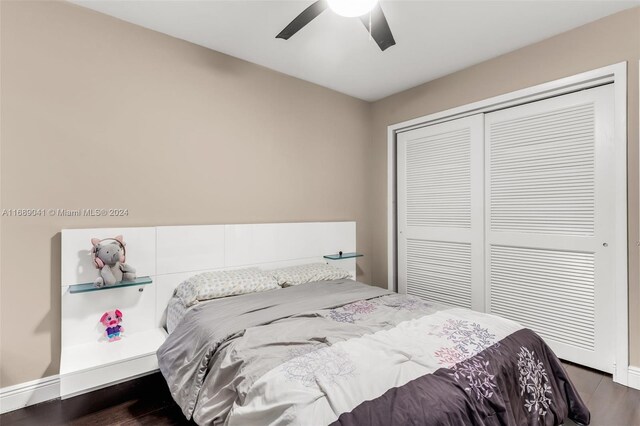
(440, 213)
(549, 211)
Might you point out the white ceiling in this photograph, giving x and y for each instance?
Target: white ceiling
(434, 38)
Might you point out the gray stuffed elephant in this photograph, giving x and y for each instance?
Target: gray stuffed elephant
(109, 256)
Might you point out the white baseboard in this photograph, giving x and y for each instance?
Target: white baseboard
(634, 377)
(29, 393)
(45, 389)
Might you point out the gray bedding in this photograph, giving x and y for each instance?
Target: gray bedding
(202, 331)
(332, 351)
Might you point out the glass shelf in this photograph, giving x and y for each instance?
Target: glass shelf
(83, 288)
(339, 256)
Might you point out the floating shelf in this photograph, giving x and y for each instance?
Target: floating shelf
(83, 288)
(100, 363)
(100, 352)
(339, 256)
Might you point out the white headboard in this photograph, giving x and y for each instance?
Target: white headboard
(170, 254)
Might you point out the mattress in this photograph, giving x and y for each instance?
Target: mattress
(345, 353)
(175, 312)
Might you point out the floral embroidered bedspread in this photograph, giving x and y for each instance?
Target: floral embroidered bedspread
(345, 353)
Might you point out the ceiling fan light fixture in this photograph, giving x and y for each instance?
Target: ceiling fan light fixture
(351, 8)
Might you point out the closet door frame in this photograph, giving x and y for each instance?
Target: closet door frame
(616, 74)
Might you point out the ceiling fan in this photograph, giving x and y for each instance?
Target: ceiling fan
(369, 12)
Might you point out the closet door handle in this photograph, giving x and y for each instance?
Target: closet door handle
(605, 244)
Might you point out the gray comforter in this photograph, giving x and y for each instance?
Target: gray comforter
(342, 351)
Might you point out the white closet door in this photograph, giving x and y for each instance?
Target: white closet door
(440, 212)
(549, 221)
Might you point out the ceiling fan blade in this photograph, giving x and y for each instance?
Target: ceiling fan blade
(303, 19)
(380, 30)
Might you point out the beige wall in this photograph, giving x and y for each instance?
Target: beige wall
(100, 113)
(610, 40)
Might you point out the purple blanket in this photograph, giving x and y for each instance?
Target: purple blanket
(481, 391)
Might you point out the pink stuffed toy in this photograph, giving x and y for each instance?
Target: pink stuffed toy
(112, 320)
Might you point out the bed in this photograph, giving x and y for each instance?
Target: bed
(345, 353)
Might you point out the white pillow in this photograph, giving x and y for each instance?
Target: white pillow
(215, 284)
(295, 275)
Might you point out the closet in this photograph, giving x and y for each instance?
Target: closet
(512, 213)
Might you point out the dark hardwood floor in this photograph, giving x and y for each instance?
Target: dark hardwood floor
(610, 404)
(146, 401)
(143, 401)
